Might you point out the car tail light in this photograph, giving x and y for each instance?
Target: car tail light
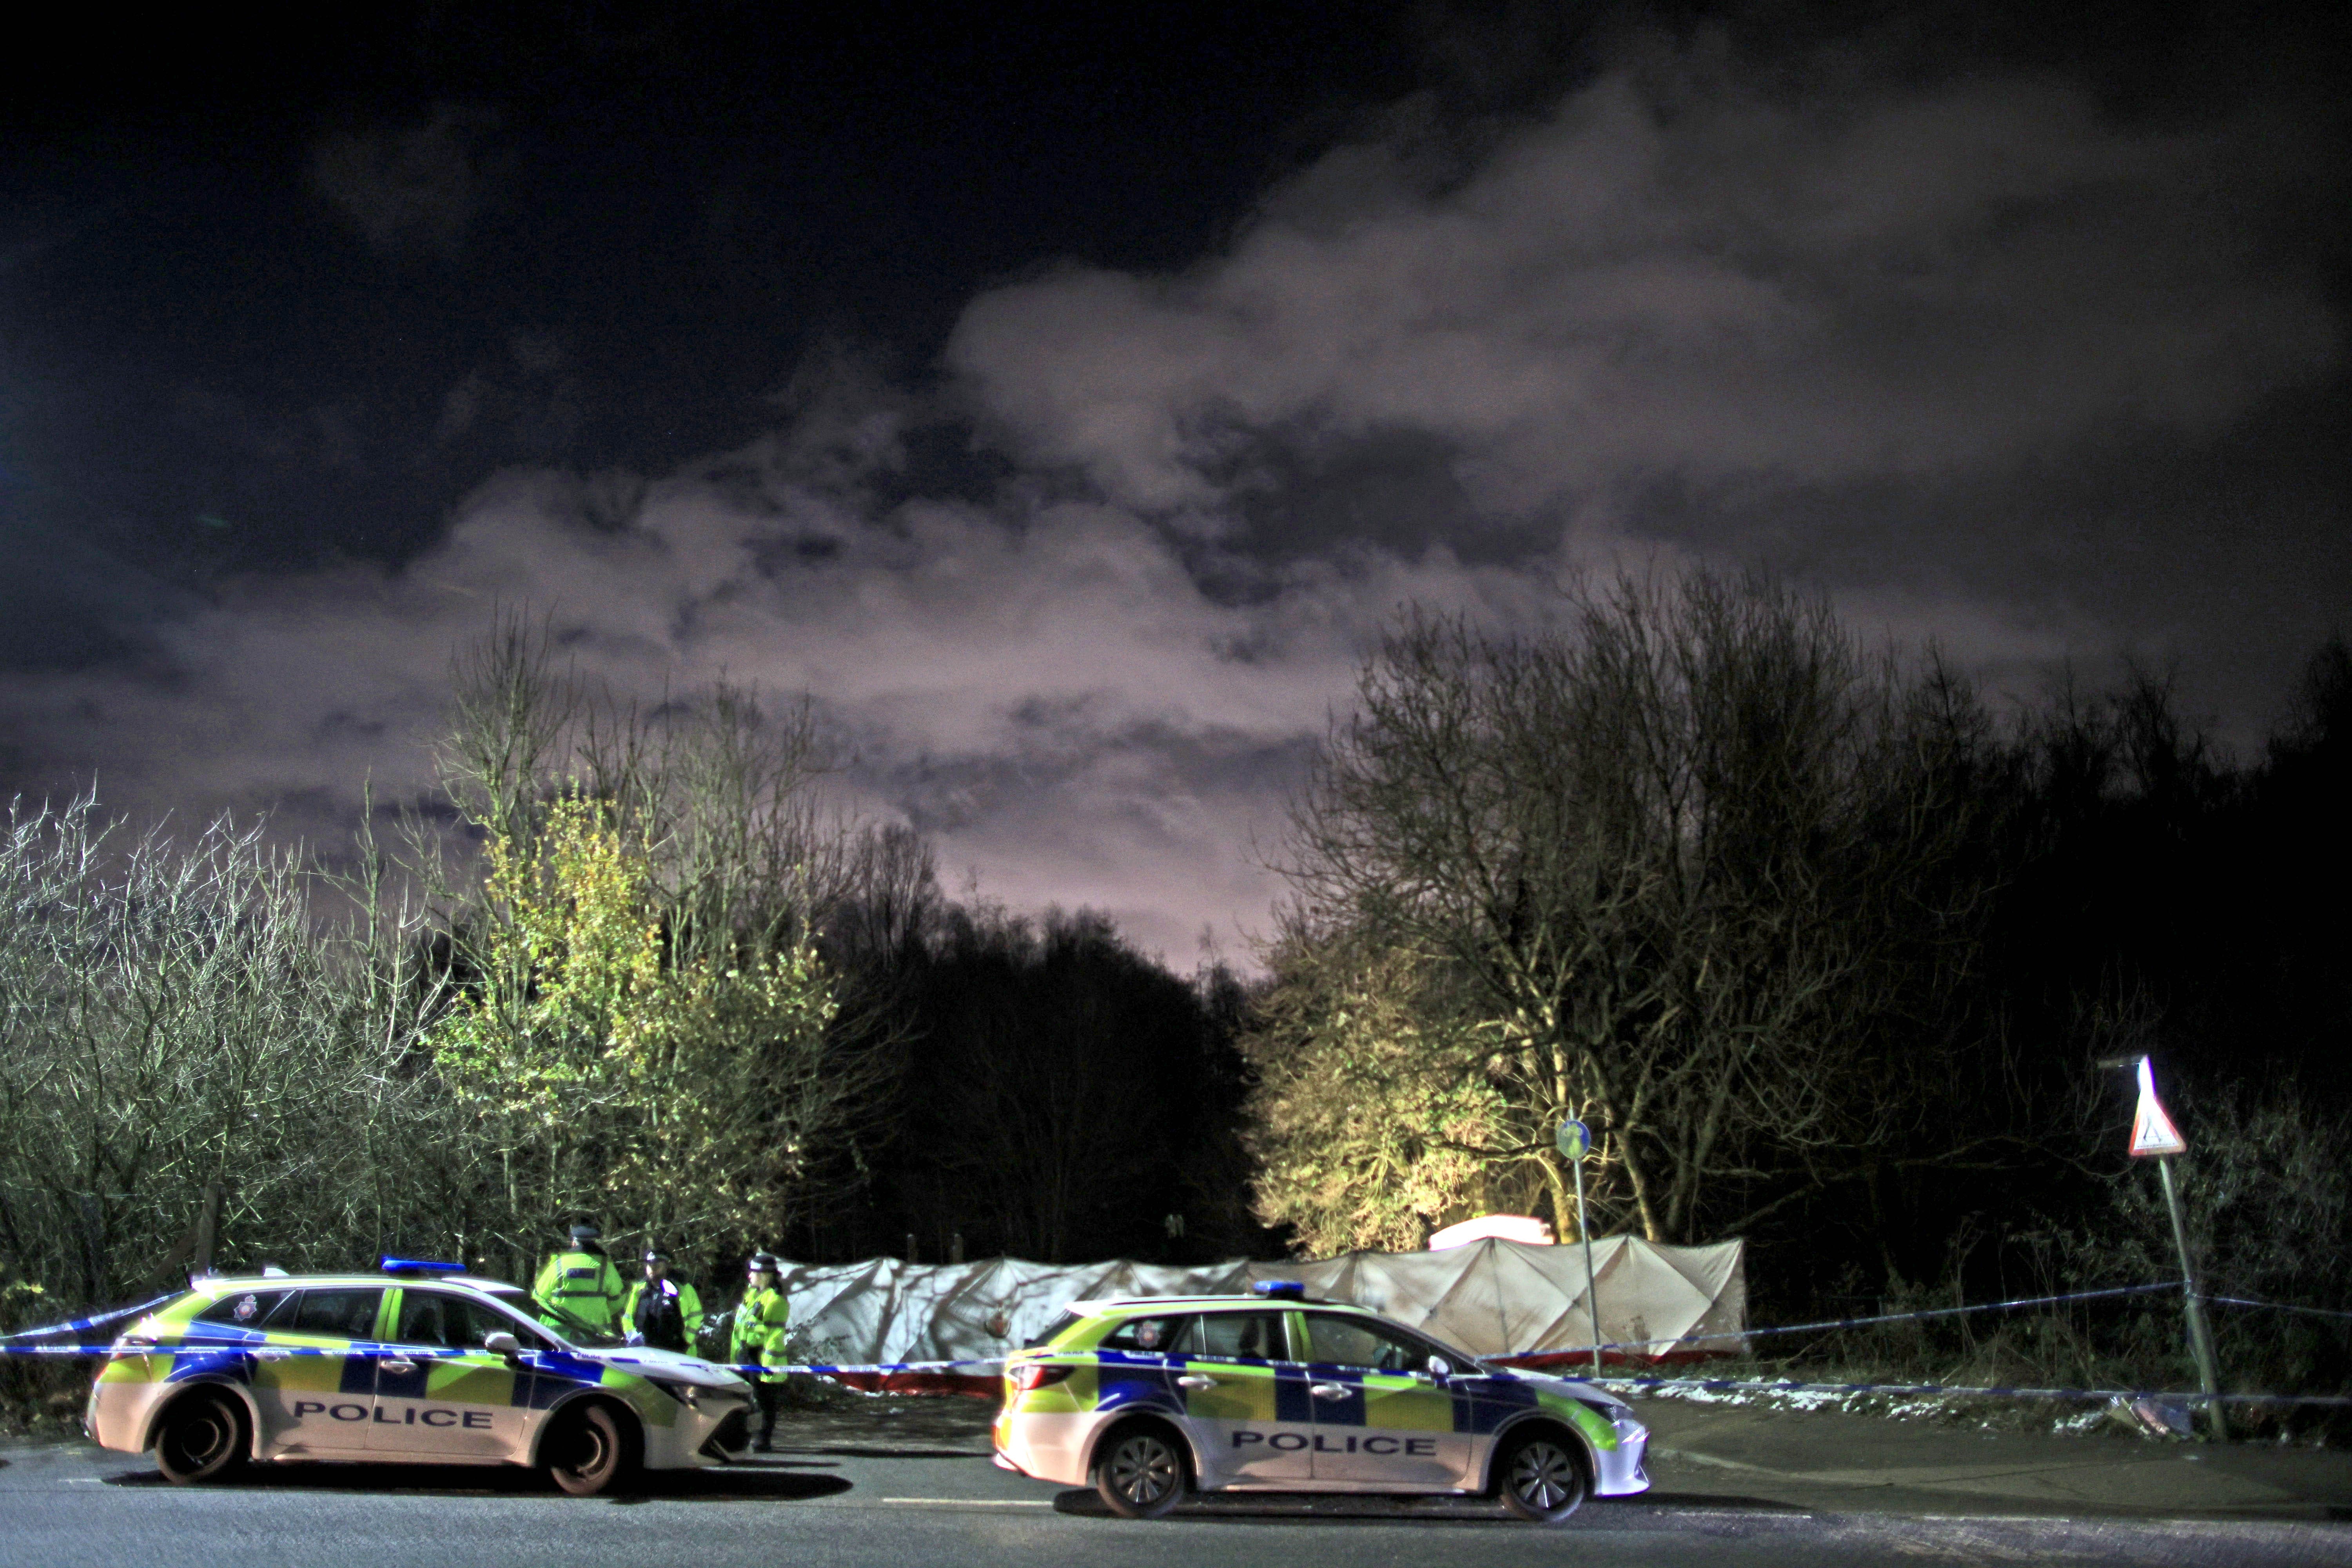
(1037, 1374)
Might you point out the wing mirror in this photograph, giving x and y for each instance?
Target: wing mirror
(502, 1343)
(1439, 1366)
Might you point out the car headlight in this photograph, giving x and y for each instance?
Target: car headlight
(690, 1394)
(702, 1396)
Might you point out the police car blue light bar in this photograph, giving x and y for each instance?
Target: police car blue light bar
(1279, 1289)
(418, 1266)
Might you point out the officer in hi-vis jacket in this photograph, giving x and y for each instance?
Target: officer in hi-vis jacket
(582, 1281)
(760, 1319)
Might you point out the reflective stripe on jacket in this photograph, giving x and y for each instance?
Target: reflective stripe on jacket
(585, 1284)
(761, 1322)
(689, 1306)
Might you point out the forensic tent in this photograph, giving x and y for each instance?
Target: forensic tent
(1492, 1298)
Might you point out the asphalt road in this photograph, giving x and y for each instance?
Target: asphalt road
(850, 1506)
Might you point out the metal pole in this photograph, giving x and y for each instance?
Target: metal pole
(2200, 1338)
(1591, 1280)
(207, 1227)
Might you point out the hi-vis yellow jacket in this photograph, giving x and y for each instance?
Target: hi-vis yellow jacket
(585, 1284)
(760, 1324)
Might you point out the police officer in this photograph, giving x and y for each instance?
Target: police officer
(759, 1338)
(660, 1312)
(582, 1281)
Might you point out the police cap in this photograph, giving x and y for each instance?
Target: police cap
(764, 1261)
(656, 1254)
(585, 1232)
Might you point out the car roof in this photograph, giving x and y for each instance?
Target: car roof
(223, 1284)
(1146, 1303)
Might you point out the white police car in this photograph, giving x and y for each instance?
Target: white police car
(1149, 1399)
(418, 1365)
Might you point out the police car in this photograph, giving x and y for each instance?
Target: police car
(417, 1364)
(1150, 1399)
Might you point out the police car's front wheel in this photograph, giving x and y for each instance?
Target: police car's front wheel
(588, 1453)
(201, 1438)
(1541, 1481)
(1140, 1474)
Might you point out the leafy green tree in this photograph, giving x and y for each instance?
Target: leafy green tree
(679, 1098)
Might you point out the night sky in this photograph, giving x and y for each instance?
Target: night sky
(1064, 404)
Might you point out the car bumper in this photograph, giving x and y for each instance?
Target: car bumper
(709, 1432)
(1046, 1448)
(1620, 1471)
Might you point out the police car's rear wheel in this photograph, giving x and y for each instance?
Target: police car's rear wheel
(1140, 1475)
(201, 1439)
(1541, 1480)
(588, 1453)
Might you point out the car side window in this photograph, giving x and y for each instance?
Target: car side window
(1156, 1336)
(338, 1314)
(493, 1321)
(1242, 1336)
(242, 1309)
(446, 1322)
(1341, 1340)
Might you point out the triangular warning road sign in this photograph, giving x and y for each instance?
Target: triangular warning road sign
(2152, 1131)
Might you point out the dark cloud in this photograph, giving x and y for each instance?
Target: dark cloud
(413, 187)
(1980, 353)
(1677, 271)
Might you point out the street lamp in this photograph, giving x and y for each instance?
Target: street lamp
(1573, 1140)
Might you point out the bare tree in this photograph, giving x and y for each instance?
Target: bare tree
(175, 1012)
(1668, 869)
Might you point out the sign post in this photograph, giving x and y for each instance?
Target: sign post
(2154, 1136)
(1574, 1140)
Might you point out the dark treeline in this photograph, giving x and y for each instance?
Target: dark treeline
(2151, 894)
(1059, 1095)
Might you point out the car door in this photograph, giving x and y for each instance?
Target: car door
(314, 1374)
(1247, 1401)
(438, 1394)
(1380, 1417)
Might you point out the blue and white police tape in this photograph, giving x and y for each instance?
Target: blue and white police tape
(1643, 1384)
(197, 1345)
(2280, 1307)
(1654, 1385)
(1829, 1324)
(100, 1321)
(1793, 1386)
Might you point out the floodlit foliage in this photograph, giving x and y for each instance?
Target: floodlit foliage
(1377, 1115)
